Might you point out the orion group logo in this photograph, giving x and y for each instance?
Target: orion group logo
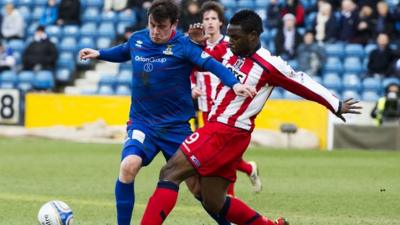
(148, 67)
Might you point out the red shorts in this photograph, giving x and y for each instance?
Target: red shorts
(216, 149)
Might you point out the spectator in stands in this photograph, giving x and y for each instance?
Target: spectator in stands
(347, 23)
(50, 14)
(140, 7)
(273, 14)
(296, 8)
(190, 14)
(7, 59)
(325, 24)
(384, 21)
(310, 56)
(13, 24)
(41, 53)
(115, 5)
(69, 12)
(381, 59)
(387, 109)
(287, 38)
(364, 26)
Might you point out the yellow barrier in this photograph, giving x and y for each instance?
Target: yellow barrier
(53, 109)
(44, 110)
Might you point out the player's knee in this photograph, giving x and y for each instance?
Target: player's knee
(212, 205)
(129, 168)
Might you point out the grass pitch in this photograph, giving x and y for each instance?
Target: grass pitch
(307, 187)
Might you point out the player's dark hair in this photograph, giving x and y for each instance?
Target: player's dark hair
(164, 9)
(248, 20)
(215, 6)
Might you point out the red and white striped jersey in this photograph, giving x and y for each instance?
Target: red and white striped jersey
(207, 82)
(263, 71)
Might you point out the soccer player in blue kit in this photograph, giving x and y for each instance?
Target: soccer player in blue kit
(161, 103)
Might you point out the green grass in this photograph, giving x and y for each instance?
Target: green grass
(308, 187)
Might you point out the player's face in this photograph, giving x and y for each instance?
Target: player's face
(160, 32)
(211, 22)
(239, 41)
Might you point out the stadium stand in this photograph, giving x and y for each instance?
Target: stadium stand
(344, 71)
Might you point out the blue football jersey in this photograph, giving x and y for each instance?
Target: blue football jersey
(161, 90)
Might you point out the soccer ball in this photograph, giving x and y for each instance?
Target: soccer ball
(55, 213)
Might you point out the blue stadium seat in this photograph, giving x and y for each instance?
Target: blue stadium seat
(335, 50)
(123, 90)
(372, 84)
(351, 82)
(63, 75)
(352, 65)
(8, 79)
(350, 94)
(108, 80)
(389, 80)
(31, 29)
(369, 96)
(25, 81)
(41, 3)
(229, 4)
(332, 81)
(249, 4)
(16, 45)
(333, 65)
(130, 17)
(53, 31)
(26, 13)
(369, 47)
(103, 42)
(88, 91)
(86, 42)
(289, 95)
(125, 78)
(261, 3)
(125, 66)
(121, 27)
(26, 76)
(68, 44)
(37, 13)
(276, 94)
(91, 14)
(106, 30)
(317, 79)
(354, 50)
(44, 80)
(94, 3)
(71, 31)
(26, 3)
(110, 17)
(24, 86)
(89, 30)
(66, 60)
(105, 90)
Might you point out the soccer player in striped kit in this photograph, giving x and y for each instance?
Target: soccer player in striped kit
(214, 150)
(206, 85)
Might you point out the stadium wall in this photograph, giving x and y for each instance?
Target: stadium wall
(43, 110)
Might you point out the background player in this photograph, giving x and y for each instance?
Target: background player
(207, 85)
(215, 150)
(161, 103)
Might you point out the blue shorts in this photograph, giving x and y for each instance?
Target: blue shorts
(145, 141)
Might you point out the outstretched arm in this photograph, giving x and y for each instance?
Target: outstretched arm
(279, 73)
(119, 53)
